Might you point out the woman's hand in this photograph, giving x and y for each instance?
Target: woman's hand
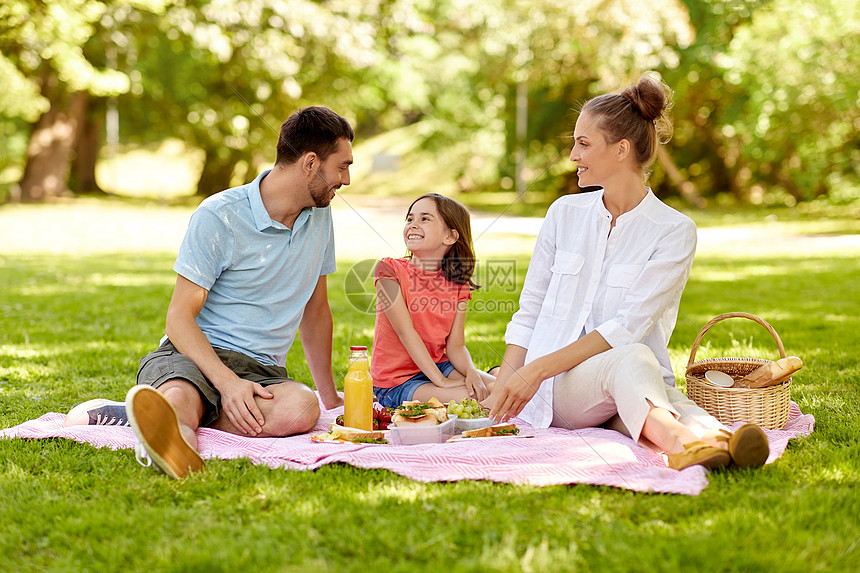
(514, 393)
(475, 385)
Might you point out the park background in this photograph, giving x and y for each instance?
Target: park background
(117, 118)
(471, 97)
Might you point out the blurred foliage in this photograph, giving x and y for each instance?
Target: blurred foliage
(766, 91)
(800, 123)
(41, 37)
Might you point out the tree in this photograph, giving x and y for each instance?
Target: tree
(704, 102)
(799, 129)
(457, 65)
(762, 97)
(43, 54)
(222, 76)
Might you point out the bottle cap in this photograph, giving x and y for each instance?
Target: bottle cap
(358, 347)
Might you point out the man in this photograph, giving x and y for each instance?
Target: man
(250, 272)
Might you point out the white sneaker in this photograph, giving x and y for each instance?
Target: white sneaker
(141, 456)
(157, 429)
(98, 412)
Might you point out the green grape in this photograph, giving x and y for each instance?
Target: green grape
(467, 408)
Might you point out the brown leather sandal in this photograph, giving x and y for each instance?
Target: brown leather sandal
(748, 446)
(699, 453)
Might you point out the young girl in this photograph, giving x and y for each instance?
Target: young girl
(419, 345)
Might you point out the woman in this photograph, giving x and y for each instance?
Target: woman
(588, 345)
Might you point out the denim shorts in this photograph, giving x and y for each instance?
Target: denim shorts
(167, 363)
(393, 397)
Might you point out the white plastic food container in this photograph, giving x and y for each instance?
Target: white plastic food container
(410, 435)
(466, 424)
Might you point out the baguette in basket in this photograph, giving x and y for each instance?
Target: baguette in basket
(771, 374)
(767, 406)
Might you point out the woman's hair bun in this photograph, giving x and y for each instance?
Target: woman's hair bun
(649, 97)
(639, 114)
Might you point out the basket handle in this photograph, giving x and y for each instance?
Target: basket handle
(722, 317)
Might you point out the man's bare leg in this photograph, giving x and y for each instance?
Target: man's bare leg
(294, 410)
(186, 400)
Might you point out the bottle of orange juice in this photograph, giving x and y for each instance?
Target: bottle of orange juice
(358, 391)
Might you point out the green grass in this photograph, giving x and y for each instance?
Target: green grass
(74, 327)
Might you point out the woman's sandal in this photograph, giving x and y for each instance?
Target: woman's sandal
(747, 446)
(699, 453)
(494, 371)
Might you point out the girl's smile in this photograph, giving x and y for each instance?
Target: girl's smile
(426, 235)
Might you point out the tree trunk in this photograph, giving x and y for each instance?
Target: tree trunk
(217, 172)
(685, 187)
(87, 146)
(49, 152)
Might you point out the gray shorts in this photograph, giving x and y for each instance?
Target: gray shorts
(167, 363)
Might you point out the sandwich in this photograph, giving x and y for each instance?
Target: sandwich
(417, 413)
(492, 431)
(339, 433)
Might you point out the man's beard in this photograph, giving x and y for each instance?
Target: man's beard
(320, 192)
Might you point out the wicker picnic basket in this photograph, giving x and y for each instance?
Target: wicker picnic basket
(768, 407)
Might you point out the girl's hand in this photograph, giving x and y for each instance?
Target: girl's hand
(515, 393)
(475, 385)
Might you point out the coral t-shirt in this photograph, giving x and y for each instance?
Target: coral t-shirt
(432, 302)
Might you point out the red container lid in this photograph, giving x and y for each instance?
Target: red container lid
(358, 347)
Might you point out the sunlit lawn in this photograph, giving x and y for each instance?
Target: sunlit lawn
(76, 320)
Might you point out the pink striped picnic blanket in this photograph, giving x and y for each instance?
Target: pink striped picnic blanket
(551, 457)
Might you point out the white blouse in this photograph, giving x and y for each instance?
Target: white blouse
(626, 284)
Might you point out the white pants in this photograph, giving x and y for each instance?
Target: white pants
(624, 381)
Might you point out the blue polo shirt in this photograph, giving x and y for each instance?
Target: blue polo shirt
(259, 273)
